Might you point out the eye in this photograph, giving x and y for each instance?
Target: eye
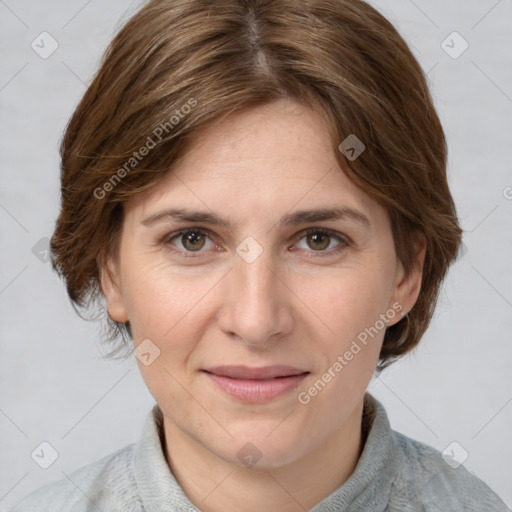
(320, 239)
(193, 240)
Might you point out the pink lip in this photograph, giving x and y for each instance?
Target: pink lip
(256, 384)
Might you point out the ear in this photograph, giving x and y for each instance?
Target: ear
(407, 287)
(110, 286)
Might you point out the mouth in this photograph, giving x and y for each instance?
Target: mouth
(256, 384)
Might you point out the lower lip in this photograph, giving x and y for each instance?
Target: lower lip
(257, 390)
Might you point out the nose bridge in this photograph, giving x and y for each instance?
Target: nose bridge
(256, 308)
(255, 279)
(252, 268)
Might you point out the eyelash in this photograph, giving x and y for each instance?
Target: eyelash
(344, 242)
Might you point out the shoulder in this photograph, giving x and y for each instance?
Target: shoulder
(437, 482)
(108, 481)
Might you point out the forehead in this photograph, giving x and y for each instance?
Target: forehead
(283, 138)
(264, 160)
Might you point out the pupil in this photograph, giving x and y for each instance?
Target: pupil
(192, 238)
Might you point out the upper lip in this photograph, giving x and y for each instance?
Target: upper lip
(248, 373)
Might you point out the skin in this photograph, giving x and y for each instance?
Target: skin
(297, 304)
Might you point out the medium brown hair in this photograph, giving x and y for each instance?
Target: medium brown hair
(178, 66)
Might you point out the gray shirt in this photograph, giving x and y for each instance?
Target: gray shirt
(394, 473)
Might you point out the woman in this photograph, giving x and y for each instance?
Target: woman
(257, 191)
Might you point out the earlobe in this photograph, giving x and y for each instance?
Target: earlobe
(407, 287)
(110, 287)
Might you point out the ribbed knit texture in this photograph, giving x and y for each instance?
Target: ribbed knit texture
(394, 474)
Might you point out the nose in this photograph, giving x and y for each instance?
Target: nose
(257, 304)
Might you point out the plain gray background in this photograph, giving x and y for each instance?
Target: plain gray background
(55, 386)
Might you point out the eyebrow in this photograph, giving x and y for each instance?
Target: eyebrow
(289, 219)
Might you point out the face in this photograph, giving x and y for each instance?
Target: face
(259, 324)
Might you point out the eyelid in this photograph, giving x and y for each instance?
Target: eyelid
(335, 234)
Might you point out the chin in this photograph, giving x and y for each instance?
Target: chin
(260, 450)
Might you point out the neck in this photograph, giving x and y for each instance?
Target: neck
(215, 485)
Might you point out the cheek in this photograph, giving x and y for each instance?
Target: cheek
(156, 298)
(162, 301)
(167, 308)
(349, 301)
(350, 305)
